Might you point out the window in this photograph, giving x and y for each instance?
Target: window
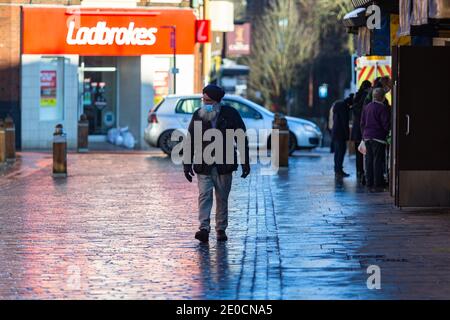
(244, 110)
(188, 105)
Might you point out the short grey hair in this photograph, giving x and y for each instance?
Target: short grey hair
(378, 94)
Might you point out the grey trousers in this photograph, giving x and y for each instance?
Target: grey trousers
(222, 186)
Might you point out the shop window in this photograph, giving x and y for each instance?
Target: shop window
(188, 106)
(51, 81)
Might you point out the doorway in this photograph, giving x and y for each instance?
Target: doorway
(98, 93)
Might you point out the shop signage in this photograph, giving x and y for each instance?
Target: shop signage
(238, 41)
(48, 88)
(103, 35)
(108, 32)
(202, 31)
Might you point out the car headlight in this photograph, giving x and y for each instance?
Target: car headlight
(310, 128)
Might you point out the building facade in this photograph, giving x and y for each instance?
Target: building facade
(110, 60)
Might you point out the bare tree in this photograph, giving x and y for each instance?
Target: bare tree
(326, 18)
(282, 43)
(240, 9)
(286, 38)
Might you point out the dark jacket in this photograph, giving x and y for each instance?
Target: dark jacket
(375, 121)
(228, 118)
(357, 107)
(341, 130)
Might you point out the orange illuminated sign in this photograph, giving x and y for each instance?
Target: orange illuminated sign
(108, 32)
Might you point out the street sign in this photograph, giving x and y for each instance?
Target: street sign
(323, 91)
(175, 70)
(202, 31)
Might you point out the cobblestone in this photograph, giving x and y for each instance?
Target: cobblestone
(122, 225)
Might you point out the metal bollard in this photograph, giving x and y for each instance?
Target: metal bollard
(10, 139)
(83, 133)
(59, 153)
(280, 123)
(2, 142)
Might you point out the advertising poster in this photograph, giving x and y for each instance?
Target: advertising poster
(160, 85)
(48, 88)
(238, 41)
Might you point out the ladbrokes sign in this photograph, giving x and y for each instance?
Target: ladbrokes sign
(112, 32)
(102, 35)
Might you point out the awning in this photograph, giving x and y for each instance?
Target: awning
(236, 70)
(355, 18)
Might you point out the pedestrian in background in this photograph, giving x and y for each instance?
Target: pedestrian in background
(215, 177)
(384, 83)
(330, 126)
(340, 133)
(375, 126)
(356, 135)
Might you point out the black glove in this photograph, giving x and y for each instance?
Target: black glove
(245, 170)
(188, 172)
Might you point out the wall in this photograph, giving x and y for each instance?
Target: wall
(129, 85)
(185, 82)
(37, 134)
(185, 79)
(147, 93)
(10, 65)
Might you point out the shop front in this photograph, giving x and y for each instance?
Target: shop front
(414, 36)
(110, 64)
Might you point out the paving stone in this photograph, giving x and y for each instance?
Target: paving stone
(122, 225)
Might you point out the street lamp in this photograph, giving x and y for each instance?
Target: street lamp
(173, 45)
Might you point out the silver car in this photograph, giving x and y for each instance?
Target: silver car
(175, 113)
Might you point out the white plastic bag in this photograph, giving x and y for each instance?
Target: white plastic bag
(119, 141)
(128, 140)
(362, 147)
(112, 135)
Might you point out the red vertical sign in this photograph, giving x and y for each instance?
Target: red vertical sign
(202, 31)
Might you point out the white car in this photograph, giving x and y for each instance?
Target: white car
(175, 113)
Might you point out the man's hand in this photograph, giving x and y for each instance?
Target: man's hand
(188, 172)
(245, 170)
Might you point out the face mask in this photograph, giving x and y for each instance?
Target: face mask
(208, 107)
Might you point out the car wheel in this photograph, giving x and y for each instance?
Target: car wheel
(292, 143)
(165, 142)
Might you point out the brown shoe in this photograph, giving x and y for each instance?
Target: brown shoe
(221, 235)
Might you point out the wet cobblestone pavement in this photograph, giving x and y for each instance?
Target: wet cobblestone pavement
(121, 226)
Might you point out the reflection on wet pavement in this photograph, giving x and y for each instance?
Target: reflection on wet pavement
(122, 225)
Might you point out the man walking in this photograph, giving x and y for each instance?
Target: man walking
(340, 134)
(375, 125)
(215, 176)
